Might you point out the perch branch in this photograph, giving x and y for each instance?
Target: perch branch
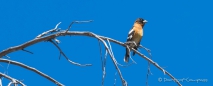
(90, 34)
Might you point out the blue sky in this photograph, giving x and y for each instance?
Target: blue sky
(179, 34)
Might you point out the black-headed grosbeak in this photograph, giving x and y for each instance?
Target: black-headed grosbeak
(135, 35)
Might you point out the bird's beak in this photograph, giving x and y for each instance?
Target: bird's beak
(145, 21)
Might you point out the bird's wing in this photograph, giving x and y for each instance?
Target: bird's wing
(130, 34)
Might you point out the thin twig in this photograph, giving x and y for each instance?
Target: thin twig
(115, 79)
(110, 48)
(105, 58)
(148, 50)
(127, 65)
(102, 63)
(57, 41)
(6, 71)
(56, 29)
(75, 63)
(101, 53)
(148, 69)
(27, 51)
(77, 23)
(7, 56)
(59, 57)
(31, 69)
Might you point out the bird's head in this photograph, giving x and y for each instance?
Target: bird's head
(141, 21)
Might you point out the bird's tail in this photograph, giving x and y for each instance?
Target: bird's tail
(126, 57)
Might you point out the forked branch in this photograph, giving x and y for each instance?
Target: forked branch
(83, 33)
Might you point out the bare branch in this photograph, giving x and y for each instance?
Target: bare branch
(13, 80)
(90, 34)
(32, 69)
(61, 52)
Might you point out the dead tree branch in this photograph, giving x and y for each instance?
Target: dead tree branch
(90, 34)
(86, 33)
(32, 69)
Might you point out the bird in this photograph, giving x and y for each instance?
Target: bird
(134, 37)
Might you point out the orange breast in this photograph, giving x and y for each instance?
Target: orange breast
(138, 33)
